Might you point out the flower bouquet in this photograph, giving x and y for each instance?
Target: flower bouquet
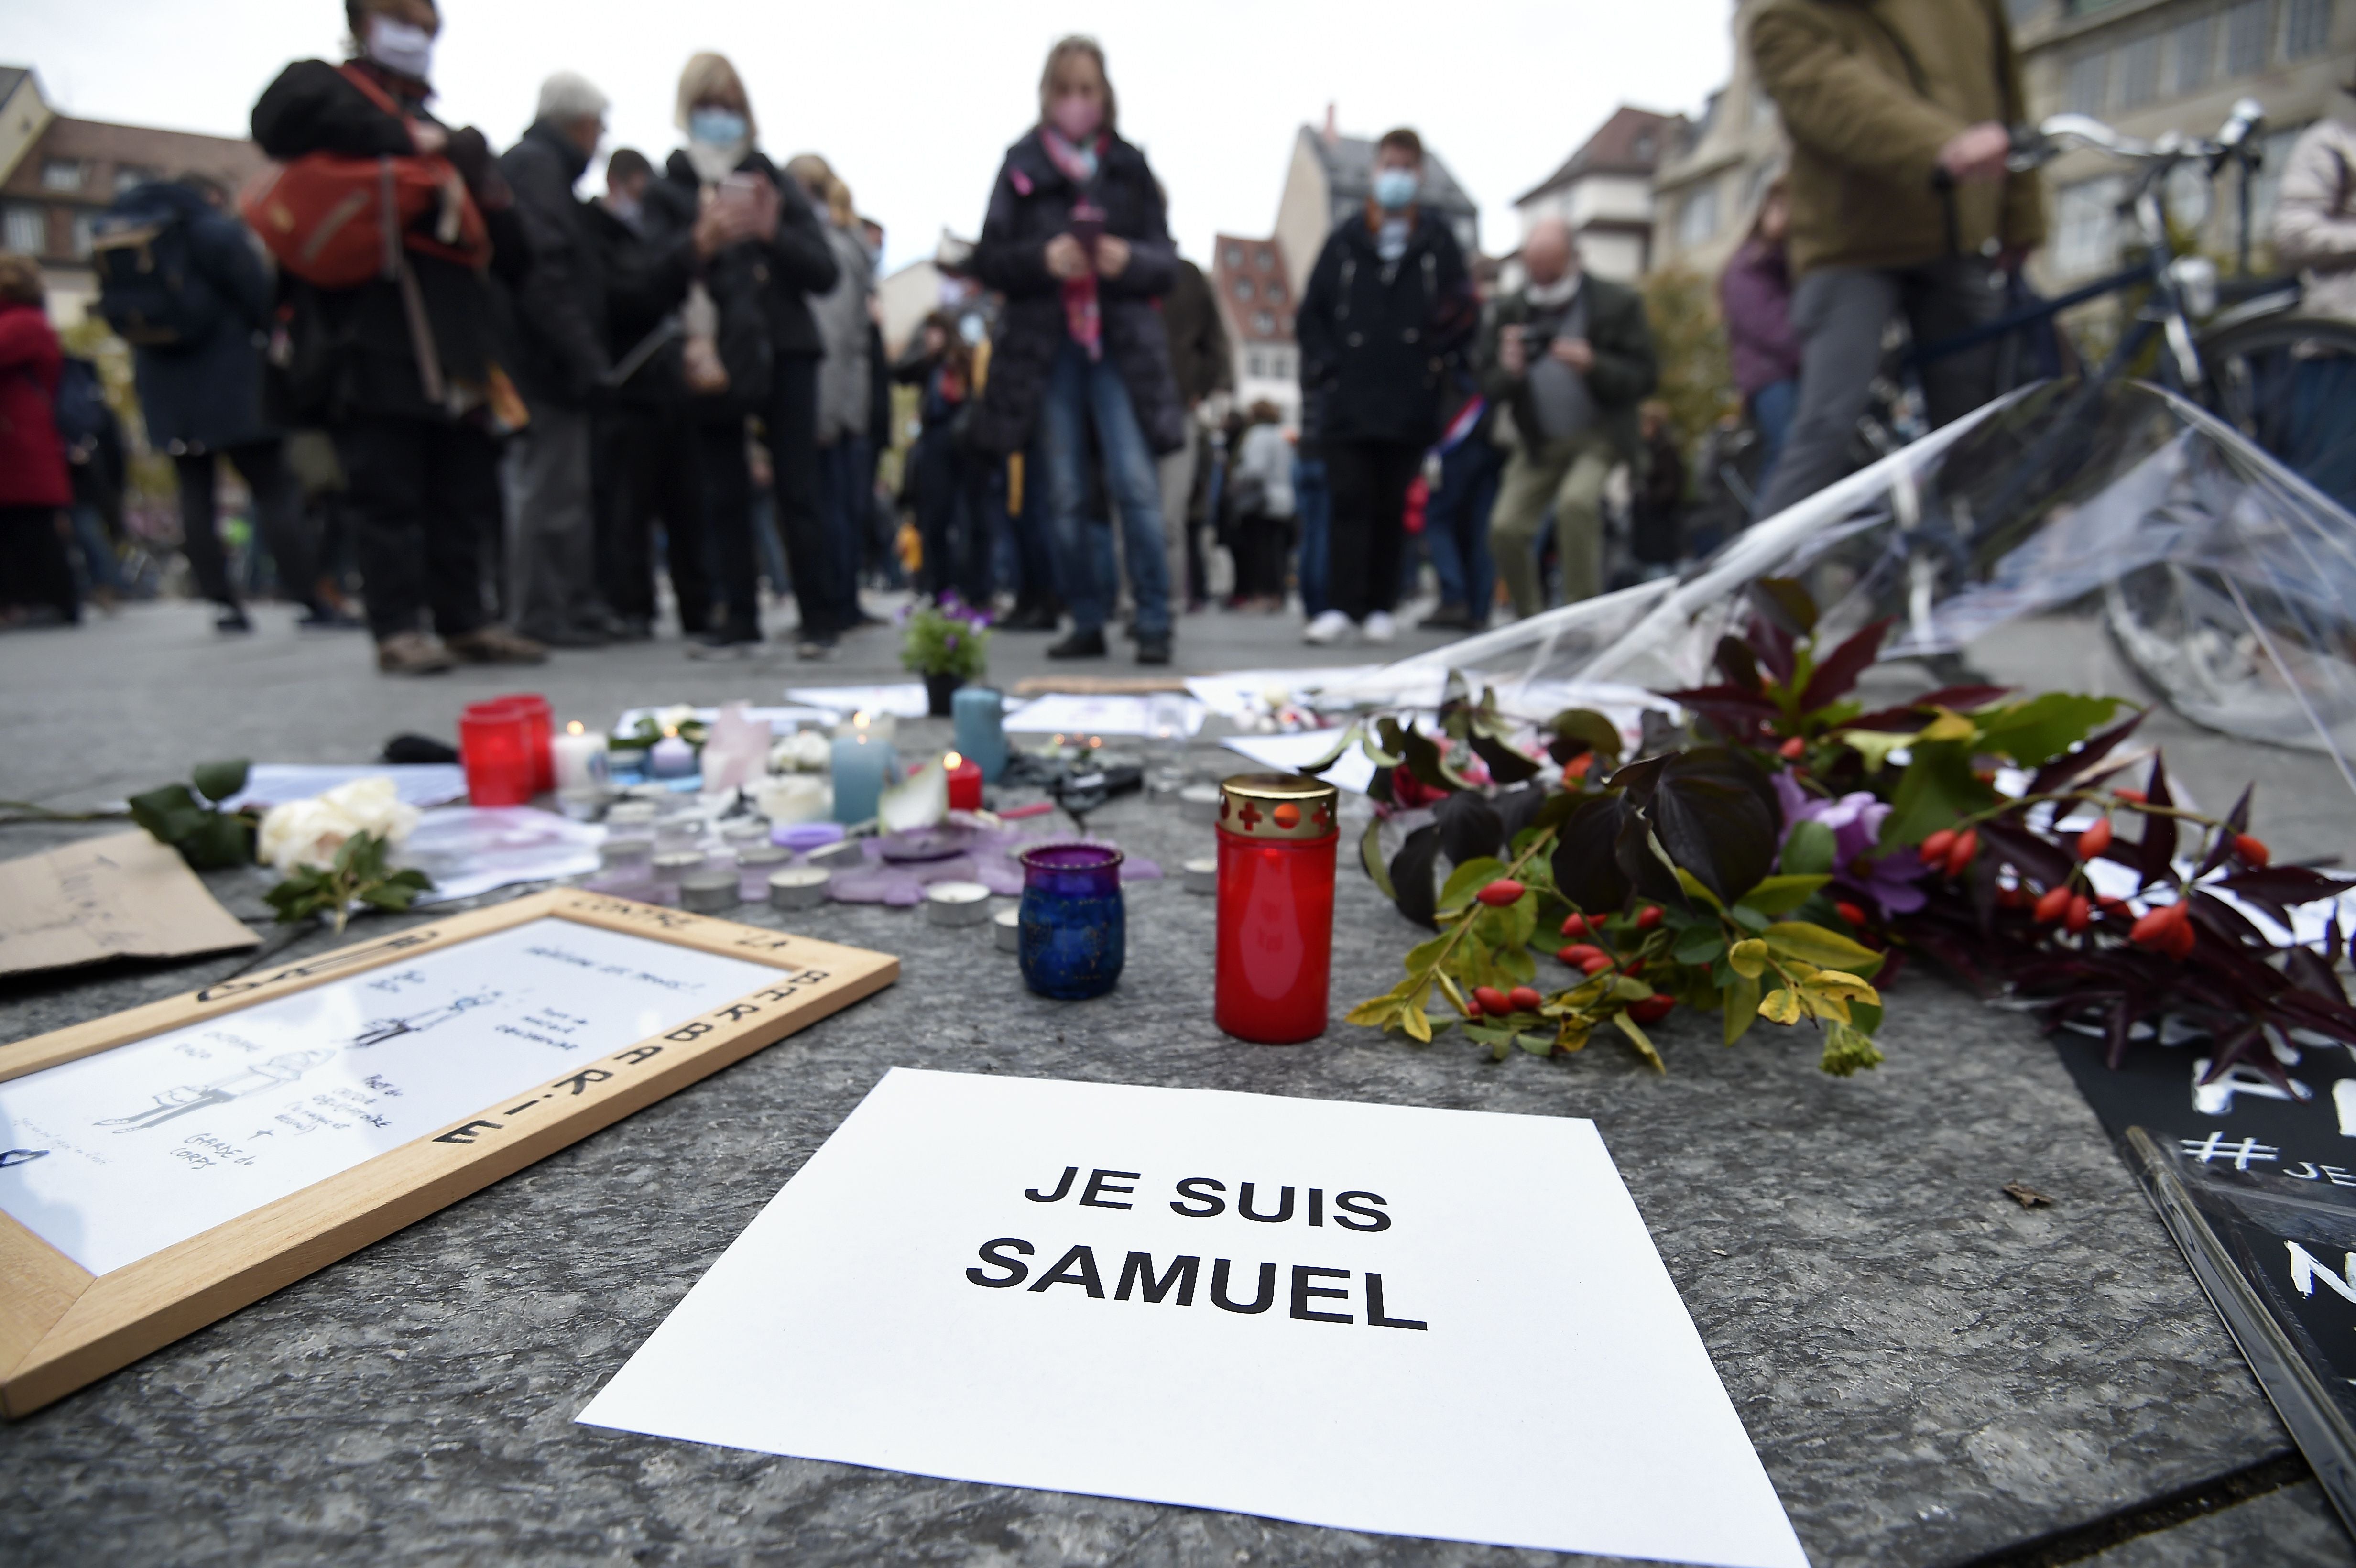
(948, 643)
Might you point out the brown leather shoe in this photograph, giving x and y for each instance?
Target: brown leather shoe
(494, 645)
(411, 652)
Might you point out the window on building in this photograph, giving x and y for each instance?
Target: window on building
(1256, 364)
(2085, 225)
(61, 174)
(2090, 76)
(2249, 36)
(2307, 28)
(131, 176)
(27, 229)
(2140, 71)
(1274, 290)
(1642, 146)
(1243, 288)
(1263, 324)
(2196, 52)
(1236, 257)
(84, 223)
(1698, 216)
(1267, 261)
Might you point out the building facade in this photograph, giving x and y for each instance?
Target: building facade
(1708, 186)
(1256, 297)
(57, 174)
(1331, 178)
(1604, 191)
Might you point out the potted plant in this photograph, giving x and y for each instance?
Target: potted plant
(948, 643)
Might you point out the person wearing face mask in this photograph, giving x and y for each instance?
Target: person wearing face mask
(1389, 307)
(846, 461)
(1078, 241)
(561, 362)
(752, 349)
(402, 372)
(1570, 356)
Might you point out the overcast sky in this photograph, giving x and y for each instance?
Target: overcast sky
(914, 103)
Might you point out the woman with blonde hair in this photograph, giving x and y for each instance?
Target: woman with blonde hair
(846, 447)
(753, 350)
(1079, 242)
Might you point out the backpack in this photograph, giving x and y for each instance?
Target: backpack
(339, 222)
(80, 406)
(150, 288)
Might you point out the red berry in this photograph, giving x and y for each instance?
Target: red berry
(1651, 1009)
(1648, 917)
(1577, 768)
(1934, 849)
(2252, 850)
(1635, 968)
(2157, 929)
(1579, 953)
(2054, 905)
(1575, 926)
(1525, 999)
(1791, 750)
(2181, 940)
(1960, 855)
(2094, 840)
(2081, 915)
(1503, 892)
(1849, 913)
(1596, 965)
(2133, 797)
(1491, 1000)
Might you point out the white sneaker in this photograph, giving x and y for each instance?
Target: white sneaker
(1379, 627)
(1329, 628)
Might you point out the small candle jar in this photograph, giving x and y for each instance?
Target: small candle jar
(980, 716)
(1275, 955)
(964, 778)
(864, 767)
(494, 743)
(670, 758)
(539, 723)
(1074, 929)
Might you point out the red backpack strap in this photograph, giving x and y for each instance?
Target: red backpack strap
(373, 90)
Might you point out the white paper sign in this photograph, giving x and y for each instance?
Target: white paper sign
(1435, 1323)
(1351, 770)
(1068, 713)
(122, 1153)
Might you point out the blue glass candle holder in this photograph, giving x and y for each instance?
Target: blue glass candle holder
(981, 728)
(1075, 930)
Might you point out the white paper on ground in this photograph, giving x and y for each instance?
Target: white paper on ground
(1558, 1397)
(418, 783)
(1067, 713)
(471, 849)
(902, 699)
(1236, 692)
(781, 720)
(1352, 771)
(151, 1143)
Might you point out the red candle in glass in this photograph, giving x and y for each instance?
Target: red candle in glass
(965, 783)
(495, 744)
(1277, 840)
(541, 722)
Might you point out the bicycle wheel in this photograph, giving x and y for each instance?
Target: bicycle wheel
(2288, 383)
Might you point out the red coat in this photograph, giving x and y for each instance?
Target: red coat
(32, 458)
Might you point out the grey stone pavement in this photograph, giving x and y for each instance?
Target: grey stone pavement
(1932, 1375)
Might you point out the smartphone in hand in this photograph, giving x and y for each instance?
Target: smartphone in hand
(1088, 227)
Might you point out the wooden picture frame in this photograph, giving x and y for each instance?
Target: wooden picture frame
(62, 1327)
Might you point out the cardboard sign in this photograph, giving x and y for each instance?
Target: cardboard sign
(1435, 1323)
(122, 896)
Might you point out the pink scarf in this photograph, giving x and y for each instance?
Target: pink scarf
(1083, 317)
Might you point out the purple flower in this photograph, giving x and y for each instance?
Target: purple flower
(952, 642)
(1856, 822)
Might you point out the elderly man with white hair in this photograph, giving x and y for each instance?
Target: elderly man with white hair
(561, 357)
(1569, 356)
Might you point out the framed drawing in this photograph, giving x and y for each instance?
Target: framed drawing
(164, 1167)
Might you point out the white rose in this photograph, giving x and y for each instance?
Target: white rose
(375, 806)
(309, 832)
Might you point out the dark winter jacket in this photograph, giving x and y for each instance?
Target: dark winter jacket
(1378, 338)
(1754, 295)
(1624, 373)
(560, 311)
(1029, 205)
(350, 348)
(206, 394)
(646, 283)
(1199, 354)
(32, 458)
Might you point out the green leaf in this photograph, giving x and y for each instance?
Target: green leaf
(1875, 745)
(1350, 737)
(2034, 733)
(1748, 958)
(1423, 955)
(1739, 1002)
(1640, 1040)
(1536, 1045)
(1749, 919)
(1602, 735)
(1518, 963)
(1370, 851)
(1825, 949)
(218, 839)
(1810, 849)
(1699, 946)
(1692, 885)
(1467, 880)
(217, 782)
(1938, 787)
(1780, 895)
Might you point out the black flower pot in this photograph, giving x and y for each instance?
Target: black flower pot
(938, 691)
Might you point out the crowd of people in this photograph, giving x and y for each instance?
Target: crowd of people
(518, 393)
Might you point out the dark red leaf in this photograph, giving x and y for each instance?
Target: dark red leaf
(1734, 662)
(1917, 713)
(1784, 604)
(2060, 771)
(1585, 865)
(1838, 671)
(2156, 851)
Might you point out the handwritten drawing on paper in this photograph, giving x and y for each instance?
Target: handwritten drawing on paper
(117, 1155)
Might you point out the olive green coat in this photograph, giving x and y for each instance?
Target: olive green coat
(1870, 90)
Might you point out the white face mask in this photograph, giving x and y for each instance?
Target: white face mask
(397, 46)
(1548, 296)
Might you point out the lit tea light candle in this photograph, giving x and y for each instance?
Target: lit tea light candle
(670, 757)
(798, 886)
(965, 781)
(580, 758)
(957, 903)
(864, 767)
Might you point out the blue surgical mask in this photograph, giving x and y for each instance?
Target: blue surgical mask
(397, 46)
(716, 127)
(1395, 188)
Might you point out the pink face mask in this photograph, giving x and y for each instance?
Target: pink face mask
(1076, 116)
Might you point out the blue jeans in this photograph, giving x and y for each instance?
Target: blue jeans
(94, 551)
(765, 546)
(1772, 408)
(846, 501)
(1313, 504)
(1079, 390)
(1456, 525)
